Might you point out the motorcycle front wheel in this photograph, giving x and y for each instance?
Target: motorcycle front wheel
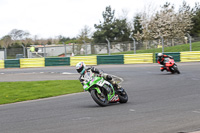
(100, 99)
(176, 69)
(123, 97)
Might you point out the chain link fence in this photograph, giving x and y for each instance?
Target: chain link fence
(67, 50)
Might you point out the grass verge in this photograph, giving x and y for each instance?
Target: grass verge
(177, 48)
(11, 92)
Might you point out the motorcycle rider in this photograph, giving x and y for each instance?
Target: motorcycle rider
(82, 70)
(161, 61)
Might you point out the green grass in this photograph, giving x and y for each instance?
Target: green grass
(177, 48)
(11, 92)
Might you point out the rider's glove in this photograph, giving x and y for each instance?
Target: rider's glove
(93, 69)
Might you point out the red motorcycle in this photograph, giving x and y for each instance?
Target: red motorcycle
(170, 66)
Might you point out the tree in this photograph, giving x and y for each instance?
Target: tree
(112, 29)
(27, 41)
(195, 31)
(6, 41)
(104, 30)
(63, 39)
(121, 30)
(20, 36)
(85, 34)
(167, 23)
(184, 19)
(137, 27)
(144, 19)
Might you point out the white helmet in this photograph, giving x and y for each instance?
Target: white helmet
(80, 67)
(160, 54)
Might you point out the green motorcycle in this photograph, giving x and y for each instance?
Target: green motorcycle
(103, 91)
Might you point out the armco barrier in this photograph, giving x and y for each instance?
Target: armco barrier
(88, 60)
(138, 58)
(190, 56)
(60, 61)
(112, 59)
(12, 63)
(175, 55)
(1, 64)
(34, 62)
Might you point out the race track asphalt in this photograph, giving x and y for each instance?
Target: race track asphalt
(159, 102)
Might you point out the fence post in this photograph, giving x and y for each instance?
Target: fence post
(190, 41)
(134, 45)
(5, 53)
(162, 44)
(108, 46)
(65, 49)
(24, 50)
(85, 47)
(44, 51)
(133, 42)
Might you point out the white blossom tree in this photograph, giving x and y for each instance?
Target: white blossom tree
(167, 23)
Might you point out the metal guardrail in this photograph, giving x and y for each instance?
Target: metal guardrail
(1, 63)
(34, 62)
(88, 60)
(138, 58)
(190, 56)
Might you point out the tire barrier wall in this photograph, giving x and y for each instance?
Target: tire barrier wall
(175, 55)
(88, 60)
(61, 61)
(138, 58)
(112, 59)
(34, 62)
(193, 56)
(1, 64)
(12, 63)
(190, 56)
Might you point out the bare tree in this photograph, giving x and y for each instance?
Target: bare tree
(18, 35)
(27, 41)
(124, 14)
(85, 33)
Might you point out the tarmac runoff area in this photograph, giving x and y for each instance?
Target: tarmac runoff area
(159, 101)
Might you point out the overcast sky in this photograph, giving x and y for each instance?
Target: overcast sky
(50, 18)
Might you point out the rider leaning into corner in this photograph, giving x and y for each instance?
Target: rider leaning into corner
(82, 70)
(161, 60)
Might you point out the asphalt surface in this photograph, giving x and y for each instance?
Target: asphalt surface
(159, 102)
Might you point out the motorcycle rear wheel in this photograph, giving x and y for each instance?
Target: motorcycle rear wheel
(99, 99)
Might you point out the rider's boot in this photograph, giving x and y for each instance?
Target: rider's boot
(162, 69)
(116, 86)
